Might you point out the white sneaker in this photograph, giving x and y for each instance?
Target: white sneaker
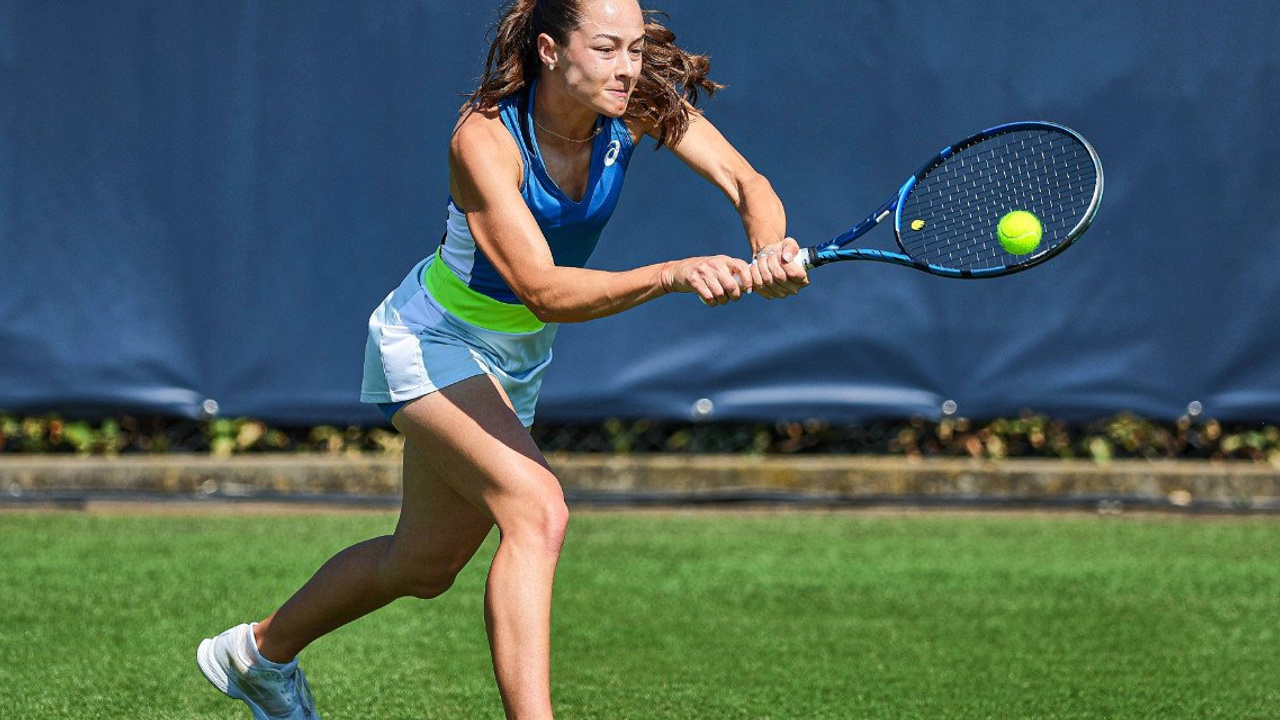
(230, 662)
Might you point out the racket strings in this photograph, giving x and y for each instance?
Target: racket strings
(956, 206)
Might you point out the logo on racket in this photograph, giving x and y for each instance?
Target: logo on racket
(611, 156)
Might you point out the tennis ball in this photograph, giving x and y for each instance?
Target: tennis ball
(1019, 232)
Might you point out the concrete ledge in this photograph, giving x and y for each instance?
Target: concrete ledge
(671, 479)
(201, 475)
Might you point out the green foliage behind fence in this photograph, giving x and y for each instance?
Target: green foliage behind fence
(1029, 435)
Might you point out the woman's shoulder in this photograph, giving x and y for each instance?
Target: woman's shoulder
(481, 147)
(481, 130)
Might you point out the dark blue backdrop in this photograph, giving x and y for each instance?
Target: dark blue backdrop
(205, 200)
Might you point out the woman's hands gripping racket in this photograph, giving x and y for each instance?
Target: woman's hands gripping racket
(998, 202)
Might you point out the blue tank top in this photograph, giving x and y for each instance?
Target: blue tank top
(571, 228)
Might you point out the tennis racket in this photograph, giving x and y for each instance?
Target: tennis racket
(945, 215)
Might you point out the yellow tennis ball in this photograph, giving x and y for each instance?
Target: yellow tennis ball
(1019, 232)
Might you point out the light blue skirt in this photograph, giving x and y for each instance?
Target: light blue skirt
(416, 347)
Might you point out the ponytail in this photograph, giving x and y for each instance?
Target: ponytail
(670, 83)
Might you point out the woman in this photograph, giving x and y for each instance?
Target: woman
(456, 354)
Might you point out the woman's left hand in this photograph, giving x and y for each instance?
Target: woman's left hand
(775, 273)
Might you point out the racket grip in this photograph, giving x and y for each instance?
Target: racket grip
(804, 259)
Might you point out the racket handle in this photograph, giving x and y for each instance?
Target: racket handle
(804, 259)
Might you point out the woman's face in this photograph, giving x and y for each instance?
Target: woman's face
(601, 59)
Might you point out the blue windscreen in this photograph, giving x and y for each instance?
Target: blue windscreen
(204, 201)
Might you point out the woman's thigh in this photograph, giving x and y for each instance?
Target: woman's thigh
(469, 463)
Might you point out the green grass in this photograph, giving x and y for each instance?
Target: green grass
(677, 615)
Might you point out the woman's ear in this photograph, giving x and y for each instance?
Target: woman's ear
(548, 51)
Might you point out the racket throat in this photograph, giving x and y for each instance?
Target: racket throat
(863, 227)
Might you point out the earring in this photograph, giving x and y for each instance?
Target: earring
(551, 67)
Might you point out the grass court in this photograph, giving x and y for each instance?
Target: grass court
(675, 615)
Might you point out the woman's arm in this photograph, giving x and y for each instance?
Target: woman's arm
(709, 154)
(485, 174)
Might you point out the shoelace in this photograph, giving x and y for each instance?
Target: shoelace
(291, 691)
(302, 690)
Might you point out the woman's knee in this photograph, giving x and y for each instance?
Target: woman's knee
(421, 576)
(430, 585)
(428, 580)
(538, 522)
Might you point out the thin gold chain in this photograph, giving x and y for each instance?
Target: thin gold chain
(588, 138)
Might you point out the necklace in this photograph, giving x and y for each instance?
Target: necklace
(562, 137)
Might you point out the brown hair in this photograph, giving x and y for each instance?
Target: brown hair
(668, 75)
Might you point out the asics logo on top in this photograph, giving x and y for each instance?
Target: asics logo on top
(611, 156)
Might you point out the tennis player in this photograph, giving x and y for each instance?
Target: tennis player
(456, 353)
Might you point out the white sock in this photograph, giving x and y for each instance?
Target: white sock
(255, 657)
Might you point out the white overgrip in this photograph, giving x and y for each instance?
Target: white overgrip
(802, 261)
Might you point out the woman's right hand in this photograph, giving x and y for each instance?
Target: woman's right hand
(717, 279)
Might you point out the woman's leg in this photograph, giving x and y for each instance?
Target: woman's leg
(436, 535)
(469, 464)
(477, 443)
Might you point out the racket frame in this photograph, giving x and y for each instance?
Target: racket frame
(834, 250)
